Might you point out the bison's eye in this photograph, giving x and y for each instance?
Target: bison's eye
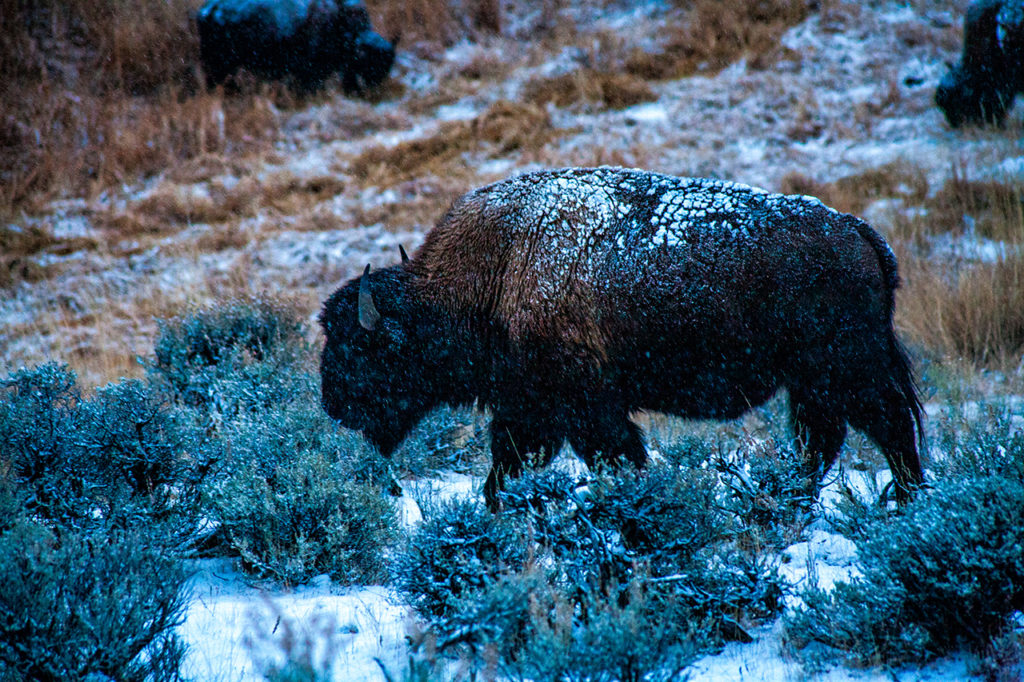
(361, 341)
(393, 334)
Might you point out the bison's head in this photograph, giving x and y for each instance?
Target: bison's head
(372, 59)
(373, 367)
(972, 98)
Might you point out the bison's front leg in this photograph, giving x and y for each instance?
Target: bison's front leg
(607, 437)
(511, 445)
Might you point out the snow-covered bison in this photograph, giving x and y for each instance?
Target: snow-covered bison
(301, 41)
(565, 300)
(981, 87)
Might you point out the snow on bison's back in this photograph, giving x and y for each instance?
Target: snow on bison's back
(565, 300)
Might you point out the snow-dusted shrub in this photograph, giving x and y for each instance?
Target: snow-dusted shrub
(530, 627)
(453, 439)
(38, 409)
(567, 565)
(292, 494)
(948, 572)
(264, 442)
(239, 356)
(81, 604)
(985, 438)
(130, 430)
(643, 637)
(457, 551)
(666, 527)
(768, 489)
(296, 505)
(207, 337)
(122, 456)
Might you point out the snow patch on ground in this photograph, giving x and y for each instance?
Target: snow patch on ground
(822, 560)
(236, 631)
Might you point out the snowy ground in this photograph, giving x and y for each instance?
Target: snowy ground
(238, 632)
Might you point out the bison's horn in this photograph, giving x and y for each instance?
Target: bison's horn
(368, 315)
(405, 256)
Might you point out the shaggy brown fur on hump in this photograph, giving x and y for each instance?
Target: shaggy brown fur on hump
(476, 265)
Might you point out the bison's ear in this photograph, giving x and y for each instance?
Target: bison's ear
(405, 256)
(368, 315)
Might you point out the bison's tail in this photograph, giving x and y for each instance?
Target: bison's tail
(904, 375)
(902, 368)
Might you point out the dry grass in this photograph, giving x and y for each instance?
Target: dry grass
(719, 32)
(963, 307)
(852, 194)
(503, 129)
(221, 199)
(419, 204)
(423, 24)
(19, 241)
(974, 312)
(100, 46)
(959, 309)
(101, 326)
(609, 89)
(991, 209)
(706, 37)
(21, 246)
(100, 93)
(96, 142)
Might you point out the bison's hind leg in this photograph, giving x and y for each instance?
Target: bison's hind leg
(874, 393)
(888, 416)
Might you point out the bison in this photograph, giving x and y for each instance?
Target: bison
(303, 41)
(566, 300)
(982, 86)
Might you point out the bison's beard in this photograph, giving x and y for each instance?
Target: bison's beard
(385, 432)
(386, 441)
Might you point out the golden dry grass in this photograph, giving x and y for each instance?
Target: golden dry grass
(98, 141)
(420, 205)
(995, 209)
(608, 89)
(705, 37)
(964, 307)
(961, 310)
(974, 312)
(20, 246)
(435, 22)
(101, 93)
(218, 200)
(503, 128)
(852, 193)
(75, 325)
(719, 32)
